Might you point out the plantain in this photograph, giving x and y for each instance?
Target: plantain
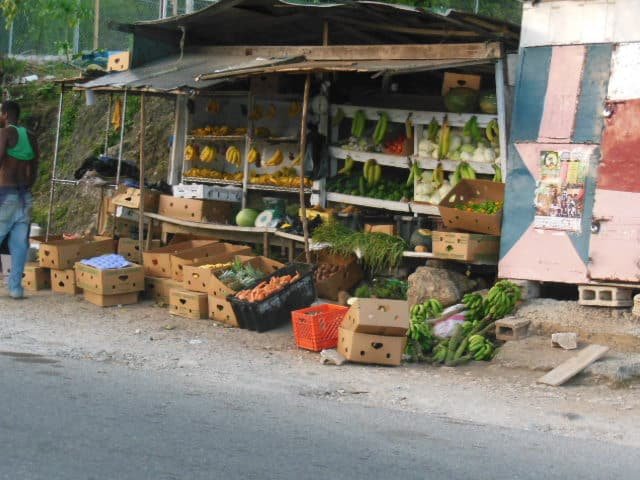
(116, 117)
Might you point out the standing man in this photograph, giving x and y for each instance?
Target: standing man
(19, 156)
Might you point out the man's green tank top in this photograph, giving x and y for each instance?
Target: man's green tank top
(23, 149)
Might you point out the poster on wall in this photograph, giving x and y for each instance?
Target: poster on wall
(559, 197)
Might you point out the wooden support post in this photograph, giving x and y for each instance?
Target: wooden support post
(142, 162)
(96, 25)
(303, 153)
(265, 244)
(54, 170)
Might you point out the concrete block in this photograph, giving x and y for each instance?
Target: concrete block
(566, 340)
(604, 296)
(530, 289)
(511, 328)
(636, 306)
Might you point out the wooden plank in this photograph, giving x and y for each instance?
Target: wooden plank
(574, 365)
(442, 51)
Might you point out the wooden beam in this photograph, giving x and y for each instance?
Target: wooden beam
(142, 187)
(428, 32)
(303, 153)
(574, 365)
(442, 51)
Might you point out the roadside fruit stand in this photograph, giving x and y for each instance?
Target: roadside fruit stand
(369, 145)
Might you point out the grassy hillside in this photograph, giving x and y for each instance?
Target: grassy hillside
(82, 134)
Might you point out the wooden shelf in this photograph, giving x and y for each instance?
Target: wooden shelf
(481, 168)
(213, 181)
(368, 202)
(418, 117)
(216, 138)
(383, 159)
(274, 188)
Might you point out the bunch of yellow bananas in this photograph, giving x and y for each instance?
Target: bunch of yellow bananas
(253, 156)
(116, 116)
(233, 156)
(208, 154)
(297, 161)
(276, 159)
(213, 107)
(190, 153)
(295, 109)
(256, 113)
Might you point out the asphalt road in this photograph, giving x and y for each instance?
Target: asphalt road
(69, 419)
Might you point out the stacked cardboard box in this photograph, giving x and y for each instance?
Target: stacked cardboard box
(205, 281)
(63, 254)
(374, 331)
(64, 281)
(470, 236)
(35, 278)
(129, 248)
(115, 286)
(193, 210)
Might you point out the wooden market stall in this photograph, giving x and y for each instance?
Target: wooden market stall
(245, 73)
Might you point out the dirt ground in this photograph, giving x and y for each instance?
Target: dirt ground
(146, 337)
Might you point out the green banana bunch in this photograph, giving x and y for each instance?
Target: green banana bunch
(348, 166)
(492, 132)
(472, 129)
(372, 172)
(426, 310)
(502, 299)
(408, 126)
(432, 130)
(497, 176)
(437, 177)
(445, 140)
(480, 348)
(464, 171)
(475, 304)
(381, 128)
(440, 352)
(358, 124)
(414, 172)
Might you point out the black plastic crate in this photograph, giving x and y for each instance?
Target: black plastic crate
(276, 310)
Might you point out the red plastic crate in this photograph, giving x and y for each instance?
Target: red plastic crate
(316, 328)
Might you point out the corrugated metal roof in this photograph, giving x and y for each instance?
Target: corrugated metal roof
(174, 73)
(277, 22)
(363, 66)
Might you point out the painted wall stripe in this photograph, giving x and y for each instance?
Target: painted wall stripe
(531, 87)
(561, 98)
(593, 92)
(519, 209)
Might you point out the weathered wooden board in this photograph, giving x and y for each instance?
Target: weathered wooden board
(574, 365)
(444, 51)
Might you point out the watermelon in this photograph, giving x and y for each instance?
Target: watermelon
(489, 103)
(461, 99)
(247, 217)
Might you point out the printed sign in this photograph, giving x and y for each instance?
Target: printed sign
(559, 197)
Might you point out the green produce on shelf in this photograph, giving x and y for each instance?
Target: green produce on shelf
(489, 207)
(383, 189)
(389, 288)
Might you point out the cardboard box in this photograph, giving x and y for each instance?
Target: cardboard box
(221, 310)
(64, 281)
(35, 278)
(378, 317)
(470, 247)
(454, 80)
(205, 280)
(188, 304)
(157, 262)
(63, 254)
(207, 253)
(129, 248)
(112, 281)
(194, 210)
(159, 289)
(389, 229)
(111, 300)
(130, 198)
(208, 192)
(118, 61)
(5, 263)
(477, 191)
(345, 278)
(365, 348)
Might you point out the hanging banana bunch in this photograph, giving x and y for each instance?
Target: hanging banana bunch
(497, 176)
(116, 116)
(233, 156)
(295, 109)
(208, 154)
(253, 156)
(276, 159)
(213, 107)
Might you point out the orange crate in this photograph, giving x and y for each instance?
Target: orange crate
(316, 328)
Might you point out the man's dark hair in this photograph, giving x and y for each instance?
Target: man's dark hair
(12, 108)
